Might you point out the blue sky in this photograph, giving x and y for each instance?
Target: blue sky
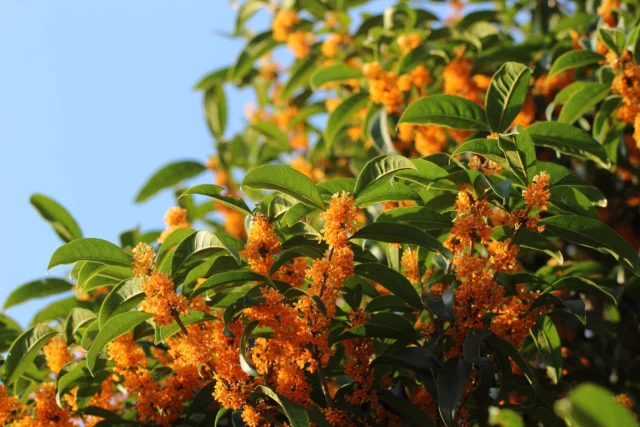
(94, 96)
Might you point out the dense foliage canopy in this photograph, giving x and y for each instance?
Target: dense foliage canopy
(423, 222)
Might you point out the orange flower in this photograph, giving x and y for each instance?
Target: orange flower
(126, 353)
(161, 299)
(175, 218)
(283, 24)
(410, 265)
(262, 245)
(56, 354)
(10, 407)
(537, 193)
(143, 260)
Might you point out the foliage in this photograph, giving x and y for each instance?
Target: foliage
(435, 228)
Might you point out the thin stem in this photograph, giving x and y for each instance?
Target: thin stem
(323, 382)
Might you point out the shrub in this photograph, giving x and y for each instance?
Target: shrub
(420, 224)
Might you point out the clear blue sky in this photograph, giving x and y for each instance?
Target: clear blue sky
(94, 96)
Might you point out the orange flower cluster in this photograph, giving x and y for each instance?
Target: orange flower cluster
(606, 10)
(408, 42)
(427, 140)
(548, 86)
(457, 80)
(47, 411)
(383, 86)
(283, 25)
(478, 294)
(332, 44)
(537, 193)
(162, 403)
(262, 245)
(161, 299)
(10, 407)
(626, 401)
(359, 352)
(56, 354)
(409, 264)
(627, 84)
(175, 218)
(487, 166)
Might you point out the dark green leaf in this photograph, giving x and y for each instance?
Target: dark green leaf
(60, 219)
(24, 350)
(168, 176)
(89, 249)
(391, 280)
(446, 110)
(378, 168)
(285, 180)
(506, 95)
(451, 384)
(574, 59)
(341, 116)
(547, 340)
(36, 289)
(333, 73)
(215, 192)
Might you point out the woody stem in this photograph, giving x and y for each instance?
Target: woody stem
(323, 382)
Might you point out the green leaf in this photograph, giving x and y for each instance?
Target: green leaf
(286, 180)
(245, 362)
(401, 233)
(215, 110)
(341, 116)
(583, 101)
(203, 243)
(299, 76)
(445, 110)
(166, 251)
(24, 350)
(590, 405)
(547, 340)
(504, 347)
(504, 417)
(506, 95)
(574, 59)
(583, 286)
(292, 253)
(568, 139)
(451, 384)
(379, 168)
(385, 190)
(594, 234)
(485, 147)
(215, 192)
(418, 359)
(56, 310)
(571, 200)
(78, 318)
(60, 219)
(391, 280)
(124, 297)
(419, 216)
(89, 249)
(168, 176)
(612, 38)
(116, 326)
(333, 73)
(222, 280)
(36, 289)
(520, 154)
(406, 409)
(296, 414)
(273, 134)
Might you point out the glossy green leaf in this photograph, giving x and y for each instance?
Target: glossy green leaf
(36, 289)
(401, 233)
(596, 235)
(299, 76)
(590, 405)
(295, 413)
(203, 243)
(24, 350)
(419, 216)
(393, 281)
(451, 384)
(520, 154)
(568, 139)
(380, 168)
(222, 280)
(446, 110)
(168, 176)
(333, 73)
(215, 192)
(89, 249)
(285, 180)
(60, 219)
(341, 116)
(613, 39)
(506, 95)
(547, 340)
(485, 147)
(124, 297)
(406, 409)
(215, 110)
(78, 318)
(583, 101)
(583, 286)
(574, 59)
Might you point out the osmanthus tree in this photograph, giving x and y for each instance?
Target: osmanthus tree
(422, 223)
